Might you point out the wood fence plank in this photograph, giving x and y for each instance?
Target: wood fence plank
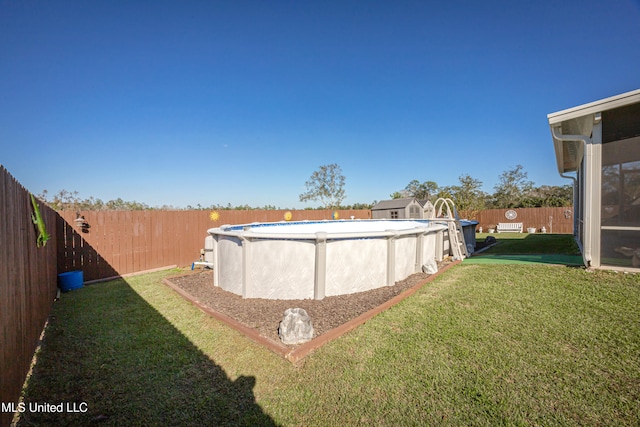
(27, 285)
(137, 263)
(126, 231)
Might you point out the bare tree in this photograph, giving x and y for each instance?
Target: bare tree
(325, 185)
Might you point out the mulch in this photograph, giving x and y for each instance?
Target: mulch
(264, 315)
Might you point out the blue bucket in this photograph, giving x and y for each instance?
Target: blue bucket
(70, 280)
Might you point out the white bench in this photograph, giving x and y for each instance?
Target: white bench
(512, 227)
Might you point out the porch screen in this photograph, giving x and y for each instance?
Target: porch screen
(620, 216)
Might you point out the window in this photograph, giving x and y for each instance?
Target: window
(394, 214)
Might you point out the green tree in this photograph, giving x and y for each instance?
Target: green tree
(468, 195)
(445, 192)
(421, 191)
(326, 185)
(511, 189)
(361, 206)
(549, 196)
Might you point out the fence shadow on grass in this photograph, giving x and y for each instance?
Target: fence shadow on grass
(559, 249)
(554, 259)
(106, 350)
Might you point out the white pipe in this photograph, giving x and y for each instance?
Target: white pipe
(207, 264)
(585, 140)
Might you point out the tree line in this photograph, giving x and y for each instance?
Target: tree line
(513, 190)
(65, 200)
(327, 186)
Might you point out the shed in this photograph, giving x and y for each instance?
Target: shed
(407, 208)
(597, 146)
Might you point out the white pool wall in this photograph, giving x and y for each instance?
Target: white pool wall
(289, 261)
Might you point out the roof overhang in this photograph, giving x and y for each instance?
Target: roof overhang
(574, 124)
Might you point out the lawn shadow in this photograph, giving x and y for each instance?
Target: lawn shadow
(555, 259)
(510, 248)
(108, 352)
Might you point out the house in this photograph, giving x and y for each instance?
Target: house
(597, 146)
(407, 208)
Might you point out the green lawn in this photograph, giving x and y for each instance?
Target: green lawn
(523, 243)
(480, 345)
(520, 248)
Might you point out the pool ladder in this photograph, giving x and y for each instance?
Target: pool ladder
(456, 236)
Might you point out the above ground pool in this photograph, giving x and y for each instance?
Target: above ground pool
(315, 259)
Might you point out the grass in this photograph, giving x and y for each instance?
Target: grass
(517, 248)
(480, 345)
(523, 243)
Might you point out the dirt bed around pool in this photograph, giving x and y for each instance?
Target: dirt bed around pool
(264, 315)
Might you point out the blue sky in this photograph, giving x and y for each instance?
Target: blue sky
(208, 102)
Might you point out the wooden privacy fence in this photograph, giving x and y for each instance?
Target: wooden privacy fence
(106, 244)
(554, 220)
(28, 280)
(114, 243)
